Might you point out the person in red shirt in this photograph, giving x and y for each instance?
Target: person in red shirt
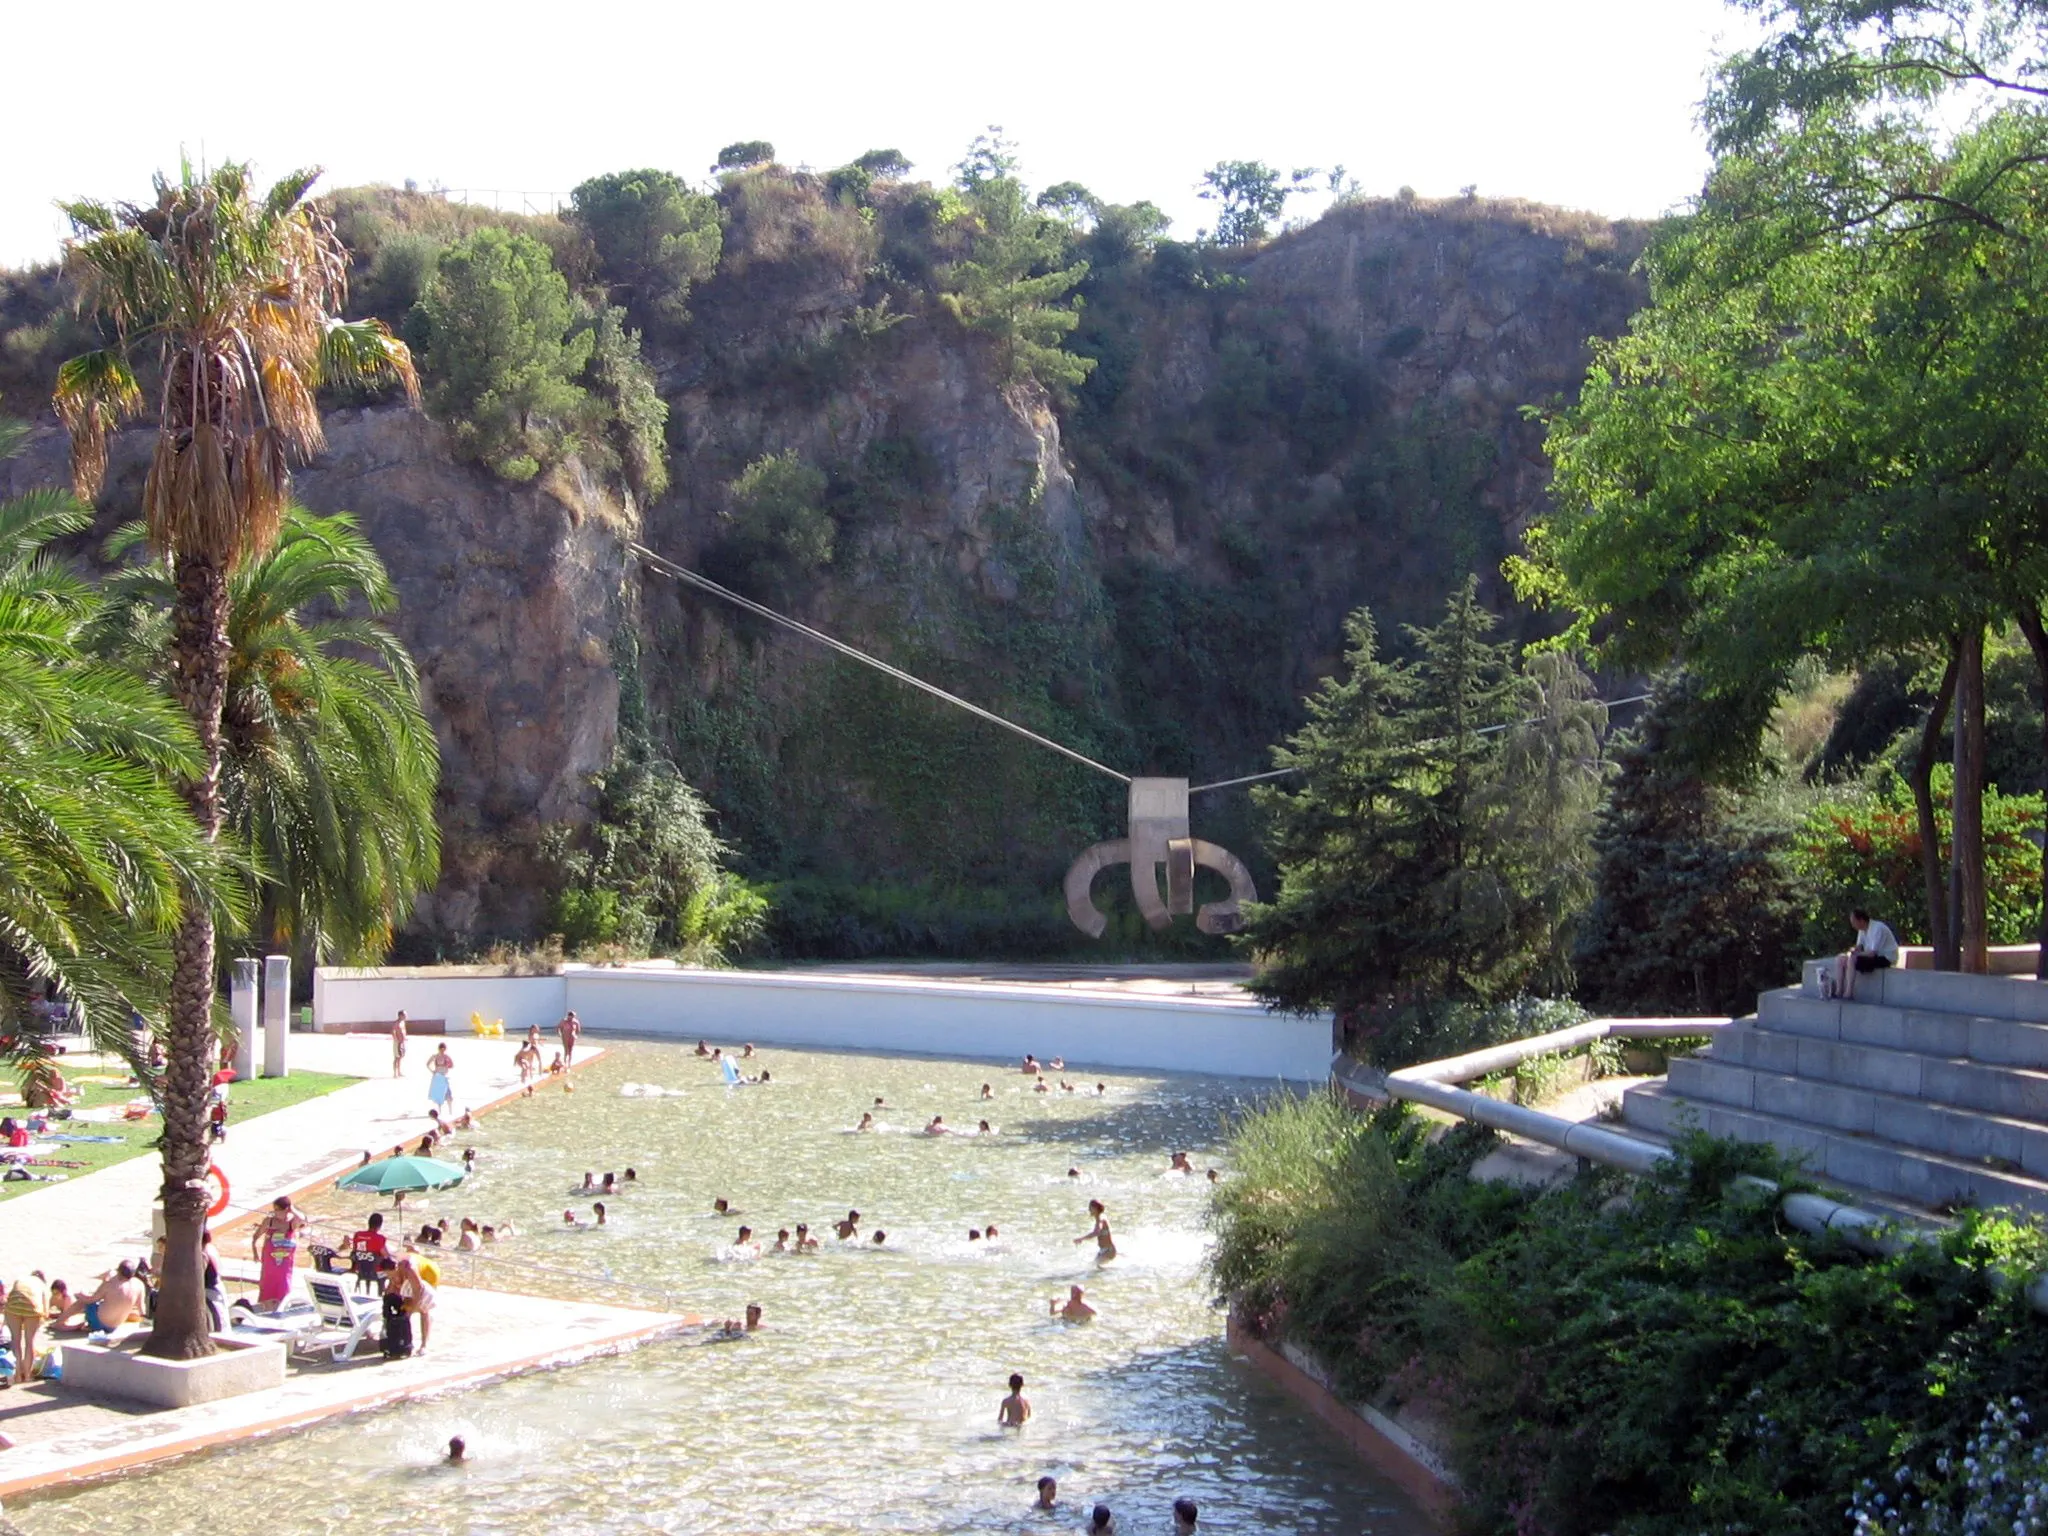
(368, 1249)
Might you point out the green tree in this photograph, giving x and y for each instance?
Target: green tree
(655, 239)
(1433, 849)
(1693, 912)
(329, 767)
(502, 351)
(97, 851)
(1071, 201)
(745, 154)
(884, 164)
(1820, 437)
(241, 292)
(1014, 284)
(1252, 196)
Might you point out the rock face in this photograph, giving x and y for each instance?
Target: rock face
(508, 598)
(1153, 571)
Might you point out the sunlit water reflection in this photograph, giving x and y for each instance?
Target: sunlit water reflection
(868, 1403)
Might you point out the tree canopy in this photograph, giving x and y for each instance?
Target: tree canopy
(656, 239)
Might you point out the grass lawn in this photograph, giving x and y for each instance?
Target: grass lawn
(246, 1101)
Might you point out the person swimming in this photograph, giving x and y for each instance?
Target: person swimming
(805, 1243)
(569, 1219)
(1181, 1164)
(1058, 1063)
(984, 1129)
(458, 1450)
(781, 1241)
(744, 1243)
(1073, 1309)
(974, 1234)
(849, 1227)
(990, 1232)
(1014, 1410)
(988, 1091)
(1030, 1067)
(880, 1237)
(867, 1122)
(1040, 1087)
(629, 1177)
(702, 1049)
(589, 1181)
(1048, 1493)
(723, 1207)
(937, 1127)
(598, 1210)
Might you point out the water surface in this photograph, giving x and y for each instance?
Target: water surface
(868, 1402)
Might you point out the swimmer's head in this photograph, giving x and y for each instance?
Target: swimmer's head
(630, 1176)
(745, 1234)
(1184, 1513)
(598, 1206)
(1214, 1175)
(569, 1217)
(803, 1229)
(1048, 1490)
(1096, 1207)
(782, 1236)
(881, 1237)
(878, 1101)
(984, 1127)
(458, 1448)
(853, 1215)
(753, 1315)
(721, 1205)
(1100, 1519)
(1073, 1173)
(991, 1229)
(974, 1234)
(1016, 1381)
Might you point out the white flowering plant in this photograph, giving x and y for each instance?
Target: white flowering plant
(1997, 1487)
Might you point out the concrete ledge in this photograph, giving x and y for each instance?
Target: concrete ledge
(1378, 1441)
(1993, 997)
(238, 1366)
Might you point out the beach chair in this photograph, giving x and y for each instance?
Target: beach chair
(341, 1308)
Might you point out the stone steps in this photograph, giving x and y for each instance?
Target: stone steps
(2019, 1093)
(1931, 1032)
(1970, 1134)
(1926, 1178)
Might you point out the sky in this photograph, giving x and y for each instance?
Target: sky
(1584, 103)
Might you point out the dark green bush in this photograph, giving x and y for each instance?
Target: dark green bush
(1661, 1364)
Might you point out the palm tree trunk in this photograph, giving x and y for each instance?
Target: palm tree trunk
(2037, 642)
(1966, 834)
(1940, 936)
(199, 648)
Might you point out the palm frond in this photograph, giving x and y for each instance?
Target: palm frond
(96, 392)
(364, 352)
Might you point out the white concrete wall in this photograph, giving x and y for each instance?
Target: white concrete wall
(362, 997)
(920, 1017)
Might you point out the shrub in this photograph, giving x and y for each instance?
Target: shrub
(1866, 853)
(777, 523)
(1663, 1364)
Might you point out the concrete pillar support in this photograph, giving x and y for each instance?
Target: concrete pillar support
(242, 995)
(277, 1013)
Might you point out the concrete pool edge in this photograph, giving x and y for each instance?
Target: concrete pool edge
(1376, 1440)
(256, 1415)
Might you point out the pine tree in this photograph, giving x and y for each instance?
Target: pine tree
(1691, 913)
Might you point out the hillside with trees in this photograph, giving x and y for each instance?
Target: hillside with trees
(1119, 486)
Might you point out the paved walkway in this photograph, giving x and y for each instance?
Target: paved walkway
(478, 1336)
(80, 1227)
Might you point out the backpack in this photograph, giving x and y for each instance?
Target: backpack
(397, 1329)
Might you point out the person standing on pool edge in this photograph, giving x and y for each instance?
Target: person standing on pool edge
(571, 1029)
(440, 1064)
(398, 1044)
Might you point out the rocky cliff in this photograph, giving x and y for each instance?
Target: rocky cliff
(1154, 570)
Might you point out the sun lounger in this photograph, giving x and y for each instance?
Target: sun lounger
(341, 1308)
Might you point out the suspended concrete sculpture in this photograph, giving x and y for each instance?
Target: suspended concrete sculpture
(1158, 824)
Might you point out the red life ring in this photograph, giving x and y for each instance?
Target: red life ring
(213, 1172)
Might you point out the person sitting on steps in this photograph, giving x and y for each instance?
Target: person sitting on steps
(1876, 949)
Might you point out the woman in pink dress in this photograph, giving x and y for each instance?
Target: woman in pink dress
(276, 1248)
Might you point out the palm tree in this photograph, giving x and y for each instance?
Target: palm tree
(96, 850)
(241, 295)
(328, 766)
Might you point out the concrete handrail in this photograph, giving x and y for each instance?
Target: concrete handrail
(1499, 1058)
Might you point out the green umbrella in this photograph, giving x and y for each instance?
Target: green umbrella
(404, 1173)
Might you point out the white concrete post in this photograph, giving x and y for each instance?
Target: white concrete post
(242, 1004)
(277, 1012)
